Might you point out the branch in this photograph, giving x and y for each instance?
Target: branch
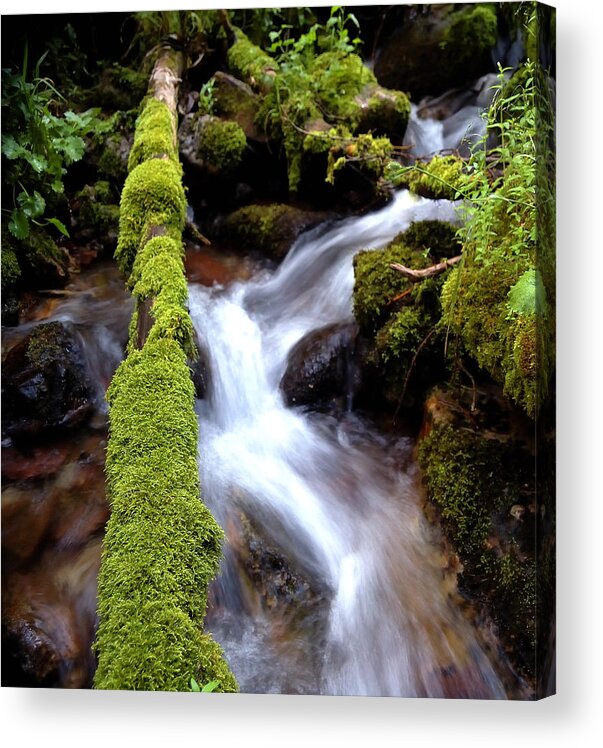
(415, 276)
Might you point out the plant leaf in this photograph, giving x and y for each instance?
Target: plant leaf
(18, 224)
(32, 205)
(194, 685)
(211, 686)
(59, 225)
(528, 296)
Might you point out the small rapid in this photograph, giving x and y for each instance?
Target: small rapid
(339, 500)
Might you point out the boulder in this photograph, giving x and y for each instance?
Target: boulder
(442, 47)
(45, 385)
(269, 229)
(236, 101)
(320, 366)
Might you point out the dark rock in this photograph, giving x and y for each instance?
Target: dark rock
(320, 366)
(437, 48)
(45, 385)
(40, 462)
(236, 101)
(48, 622)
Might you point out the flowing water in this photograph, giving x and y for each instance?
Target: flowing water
(340, 501)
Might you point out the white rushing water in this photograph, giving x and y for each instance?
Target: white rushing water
(338, 500)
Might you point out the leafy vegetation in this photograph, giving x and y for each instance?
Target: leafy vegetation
(39, 142)
(497, 301)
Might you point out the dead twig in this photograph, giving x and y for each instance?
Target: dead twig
(415, 276)
(420, 347)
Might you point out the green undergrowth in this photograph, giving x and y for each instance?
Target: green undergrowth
(500, 300)
(162, 546)
(318, 97)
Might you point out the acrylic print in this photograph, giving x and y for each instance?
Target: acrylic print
(278, 350)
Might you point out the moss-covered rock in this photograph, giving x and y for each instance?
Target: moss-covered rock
(269, 229)
(235, 100)
(11, 269)
(441, 47)
(481, 479)
(97, 211)
(441, 178)
(399, 320)
(45, 383)
(437, 238)
(220, 143)
(383, 111)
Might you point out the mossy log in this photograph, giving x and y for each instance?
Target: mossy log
(162, 546)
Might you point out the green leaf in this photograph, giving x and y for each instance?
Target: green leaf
(32, 205)
(73, 147)
(211, 686)
(18, 224)
(528, 295)
(195, 686)
(59, 225)
(37, 162)
(10, 148)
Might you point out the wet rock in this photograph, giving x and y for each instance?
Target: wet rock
(437, 48)
(236, 101)
(204, 266)
(269, 229)
(280, 584)
(40, 462)
(320, 366)
(48, 622)
(45, 386)
(476, 452)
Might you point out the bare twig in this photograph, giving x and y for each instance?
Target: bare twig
(416, 276)
(420, 347)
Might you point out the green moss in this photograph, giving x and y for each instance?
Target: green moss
(162, 546)
(10, 265)
(433, 237)
(376, 284)
(152, 195)
(234, 100)
(474, 481)
(97, 209)
(471, 33)
(441, 178)
(338, 79)
(221, 144)
(250, 63)
(155, 135)
(158, 274)
(463, 475)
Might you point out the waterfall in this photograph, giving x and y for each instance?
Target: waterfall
(340, 501)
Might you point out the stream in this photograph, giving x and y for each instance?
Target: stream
(332, 579)
(340, 502)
